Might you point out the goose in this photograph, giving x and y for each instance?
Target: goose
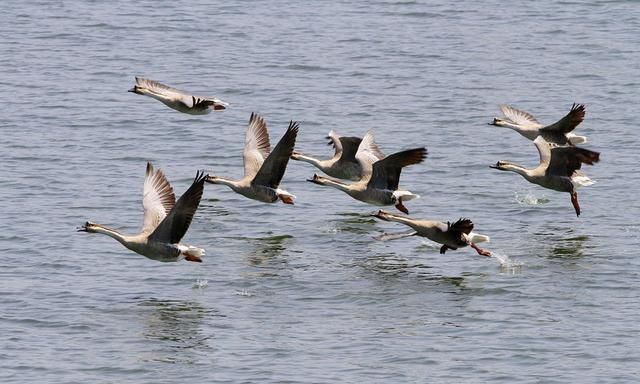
(176, 99)
(451, 236)
(263, 170)
(380, 178)
(558, 169)
(165, 220)
(343, 164)
(557, 133)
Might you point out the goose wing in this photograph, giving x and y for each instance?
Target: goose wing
(256, 145)
(350, 148)
(460, 228)
(175, 225)
(158, 198)
(567, 123)
(522, 118)
(386, 172)
(565, 161)
(368, 153)
(462, 225)
(173, 94)
(544, 150)
(272, 170)
(334, 140)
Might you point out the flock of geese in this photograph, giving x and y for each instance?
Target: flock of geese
(375, 177)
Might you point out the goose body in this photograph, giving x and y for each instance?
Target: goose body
(263, 168)
(380, 178)
(451, 235)
(559, 133)
(343, 164)
(176, 99)
(559, 168)
(165, 220)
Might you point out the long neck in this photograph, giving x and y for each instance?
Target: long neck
(526, 173)
(308, 159)
(111, 233)
(400, 219)
(335, 184)
(233, 184)
(156, 96)
(507, 124)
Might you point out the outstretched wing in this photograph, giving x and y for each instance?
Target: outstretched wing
(367, 154)
(175, 225)
(386, 172)
(158, 198)
(567, 160)
(350, 148)
(460, 228)
(334, 140)
(256, 145)
(462, 225)
(569, 122)
(170, 93)
(272, 170)
(522, 118)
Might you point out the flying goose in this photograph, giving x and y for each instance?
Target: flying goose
(380, 178)
(178, 100)
(165, 220)
(452, 236)
(558, 168)
(343, 164)
(263, 171)
(557, 133)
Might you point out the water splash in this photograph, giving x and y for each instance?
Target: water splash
(506, 264)
(244, 292)
(527, 198)
(201, 284)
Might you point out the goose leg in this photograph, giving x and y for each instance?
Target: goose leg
(443, 249)
(286, 199)
(401, 207)
(481, 252)
(574, 201)
(195, 259)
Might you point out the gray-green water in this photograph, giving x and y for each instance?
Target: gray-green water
(303, 293)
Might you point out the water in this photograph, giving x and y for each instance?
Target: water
(304, 293)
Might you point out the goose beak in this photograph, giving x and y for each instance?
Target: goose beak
(498, 165)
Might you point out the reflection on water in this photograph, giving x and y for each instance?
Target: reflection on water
(570, 248)
(392, 267)
(350, 222)
(564, 245)
(175, 328)
(268, 250)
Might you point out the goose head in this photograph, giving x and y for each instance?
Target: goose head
(317, 179)
(136, 90)
(498, 122)
(90, 227)
(504, 165)
(295, 155)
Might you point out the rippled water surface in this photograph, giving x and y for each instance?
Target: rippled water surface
(303, 293)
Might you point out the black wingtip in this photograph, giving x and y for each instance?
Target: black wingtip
(293, 126)
(201, 176)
